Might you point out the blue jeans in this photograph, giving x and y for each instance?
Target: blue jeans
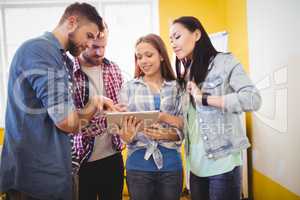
(225, 186)
(154, 185)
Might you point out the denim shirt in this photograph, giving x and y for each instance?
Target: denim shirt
(36, 156)
(138, 97)
(221, 130)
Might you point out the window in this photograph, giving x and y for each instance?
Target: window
(124, 30)
(22, 21)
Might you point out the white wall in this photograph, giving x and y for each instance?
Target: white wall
(127, 21)
(274, 55)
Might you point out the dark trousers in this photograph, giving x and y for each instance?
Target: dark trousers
(225, 186)
(16, 195)
(102, 178)
(154, 185)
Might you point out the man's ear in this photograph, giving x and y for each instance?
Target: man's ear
(72, 22)
(197, 34)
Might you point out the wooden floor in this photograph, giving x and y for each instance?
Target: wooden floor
(125, 197)
(182, 198)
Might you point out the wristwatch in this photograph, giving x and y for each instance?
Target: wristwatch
(204, 99)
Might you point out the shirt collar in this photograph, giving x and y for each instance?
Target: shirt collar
(188, 64)
(211, 62)
(141, 81)
(50, 36)
(77, 66)
(106, 61)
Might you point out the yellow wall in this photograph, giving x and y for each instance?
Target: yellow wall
(1, 136)
(210, 12)
(236, 26)
(264, 189)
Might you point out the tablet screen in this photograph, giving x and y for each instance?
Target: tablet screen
(114, 119)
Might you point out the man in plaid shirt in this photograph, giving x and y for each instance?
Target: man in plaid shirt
(96, 153)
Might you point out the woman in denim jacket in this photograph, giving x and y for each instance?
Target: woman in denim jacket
(153, 166)
(218, 91)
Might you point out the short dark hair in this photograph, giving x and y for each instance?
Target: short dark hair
(84, 11)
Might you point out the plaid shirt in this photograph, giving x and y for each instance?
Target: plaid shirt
(83, 141)
(138, 97)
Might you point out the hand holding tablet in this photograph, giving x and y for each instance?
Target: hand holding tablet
(147, 118)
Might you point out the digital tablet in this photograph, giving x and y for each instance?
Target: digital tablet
(114, 119)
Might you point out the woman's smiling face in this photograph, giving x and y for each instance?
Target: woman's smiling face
(148, 58)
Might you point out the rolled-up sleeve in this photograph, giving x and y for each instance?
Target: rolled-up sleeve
(179, 103)
(246, 96)
(179, 113)
(48, 79)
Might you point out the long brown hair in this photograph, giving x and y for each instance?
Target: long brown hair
(165, 65)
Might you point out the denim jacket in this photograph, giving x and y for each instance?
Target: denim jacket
(221, 130)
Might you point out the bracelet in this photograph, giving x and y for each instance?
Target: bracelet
(204, 99)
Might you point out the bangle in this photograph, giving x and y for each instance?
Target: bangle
(204, 99)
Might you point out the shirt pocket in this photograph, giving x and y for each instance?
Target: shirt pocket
(168, 104)
(213, 85)
(143, 102)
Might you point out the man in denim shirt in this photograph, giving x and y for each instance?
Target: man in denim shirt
(36, 157)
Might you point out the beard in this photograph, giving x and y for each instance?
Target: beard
(72, 47)
(92, 60)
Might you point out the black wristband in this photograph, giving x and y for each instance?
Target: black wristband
(204, 99)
